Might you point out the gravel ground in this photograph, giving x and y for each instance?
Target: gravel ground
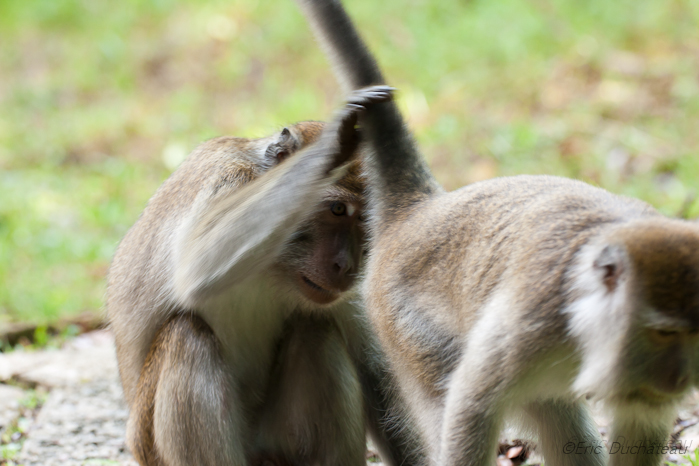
(83, 419)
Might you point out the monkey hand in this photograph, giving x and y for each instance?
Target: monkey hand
(344, 125)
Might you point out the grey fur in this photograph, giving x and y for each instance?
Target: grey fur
(519, 295)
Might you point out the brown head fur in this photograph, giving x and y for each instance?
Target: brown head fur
(664, 256)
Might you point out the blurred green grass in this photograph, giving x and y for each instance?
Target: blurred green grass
(100, 100)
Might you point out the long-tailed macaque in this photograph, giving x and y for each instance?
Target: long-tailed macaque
(520, 295)
(231, 303)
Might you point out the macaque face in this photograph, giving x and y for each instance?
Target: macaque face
(325, 255)
(659, 361)
(661, 364)
(662, 357)
(333, 262)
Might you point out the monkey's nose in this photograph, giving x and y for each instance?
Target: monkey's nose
(343, 265)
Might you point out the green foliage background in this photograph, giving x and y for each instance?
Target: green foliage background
(100, 100)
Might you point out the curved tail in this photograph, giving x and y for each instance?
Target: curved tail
(398, 175)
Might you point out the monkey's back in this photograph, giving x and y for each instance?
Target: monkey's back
(518, 234)
(138, 284)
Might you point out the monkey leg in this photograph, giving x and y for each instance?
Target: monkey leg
(182, 413)
(567, 434)
(472, 414)
(637, 438)
(315, 409)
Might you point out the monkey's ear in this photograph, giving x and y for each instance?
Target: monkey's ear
(284, 136)
(611, 264)
(278, 151)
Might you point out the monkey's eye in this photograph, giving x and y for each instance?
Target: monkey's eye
(338, 208)
(664, 335)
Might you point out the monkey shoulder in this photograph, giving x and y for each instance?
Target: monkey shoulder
(224, 162)
(219, 164)
(214, 163)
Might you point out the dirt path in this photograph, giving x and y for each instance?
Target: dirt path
(83, 418)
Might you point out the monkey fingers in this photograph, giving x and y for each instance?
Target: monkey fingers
(371, 95)
(346, 129)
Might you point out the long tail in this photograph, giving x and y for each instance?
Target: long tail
(398, 175)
